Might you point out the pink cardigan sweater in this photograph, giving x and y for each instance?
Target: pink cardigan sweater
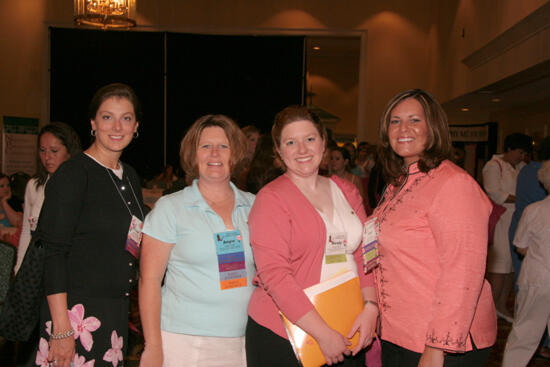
(433, 247)
(288, 240)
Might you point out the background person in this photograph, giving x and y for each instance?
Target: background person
(198, 317)
(291, 223)
(435, 307)
(532, 314)
(57, 142)
(252, 138)
(92, 206)
(340, 166)
(265, 166)
(499, 180)
(11, 212)
(528, 190)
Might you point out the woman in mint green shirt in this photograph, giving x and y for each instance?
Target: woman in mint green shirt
(199, 237)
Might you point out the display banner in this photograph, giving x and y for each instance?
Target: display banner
(469, 133)
(19, 136)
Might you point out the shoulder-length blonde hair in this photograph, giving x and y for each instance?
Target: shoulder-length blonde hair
(189, 143)
(438, 145)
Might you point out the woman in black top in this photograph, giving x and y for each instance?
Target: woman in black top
(93, 204)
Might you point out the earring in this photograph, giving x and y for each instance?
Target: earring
(92, 132)
(136, 134)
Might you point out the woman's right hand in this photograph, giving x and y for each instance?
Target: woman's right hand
(334, 346)
(151, 357)
(61, 351)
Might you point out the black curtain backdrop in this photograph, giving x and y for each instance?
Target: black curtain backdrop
(82, 61)
(248, 78)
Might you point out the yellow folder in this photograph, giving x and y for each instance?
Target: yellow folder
(338, 300)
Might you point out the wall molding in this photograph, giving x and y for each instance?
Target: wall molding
(526, 28)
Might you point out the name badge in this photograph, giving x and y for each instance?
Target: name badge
(335, 251)
(369, 245)
(231, 260)
(133, 240)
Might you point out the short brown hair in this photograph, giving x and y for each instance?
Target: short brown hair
(292, 114)
(189, 143)
(438, 145)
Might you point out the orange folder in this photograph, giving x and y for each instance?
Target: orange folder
(338, 300)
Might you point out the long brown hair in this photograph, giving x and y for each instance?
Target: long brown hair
(438, 146)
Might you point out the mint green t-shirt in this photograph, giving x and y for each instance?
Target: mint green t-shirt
(192, 300)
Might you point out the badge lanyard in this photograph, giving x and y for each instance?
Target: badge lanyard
(122, 197)
(133, 239)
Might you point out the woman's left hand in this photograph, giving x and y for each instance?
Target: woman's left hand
(432, 357)
(365, 323)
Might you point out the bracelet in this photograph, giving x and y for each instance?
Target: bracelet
(371, 302)
(64, 335)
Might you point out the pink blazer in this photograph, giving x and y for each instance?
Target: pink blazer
(433, 247)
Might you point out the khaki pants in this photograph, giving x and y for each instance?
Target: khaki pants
(531, 318)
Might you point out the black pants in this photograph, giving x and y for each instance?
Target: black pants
(396, 356)
(264, 348)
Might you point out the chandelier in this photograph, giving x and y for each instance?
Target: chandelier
(105, 13)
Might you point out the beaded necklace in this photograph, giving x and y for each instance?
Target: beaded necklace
(397, 198)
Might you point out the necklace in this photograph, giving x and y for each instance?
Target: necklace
(396, 199)
(212, 202)
(122, 197)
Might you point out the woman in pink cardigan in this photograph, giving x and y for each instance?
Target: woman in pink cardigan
(436, 307)
(291, 224)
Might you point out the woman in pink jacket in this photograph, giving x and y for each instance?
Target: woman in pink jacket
(436, 307)
(291, 224)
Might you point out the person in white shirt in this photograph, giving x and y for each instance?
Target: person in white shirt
(57, 142)
(532, 314)
(499, 181)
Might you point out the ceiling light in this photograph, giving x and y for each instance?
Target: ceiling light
(316, 48)
(465, 109)
(105, 13)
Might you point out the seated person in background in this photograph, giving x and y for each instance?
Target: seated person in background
(11, 210)
(164, 180)
(532, 312)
